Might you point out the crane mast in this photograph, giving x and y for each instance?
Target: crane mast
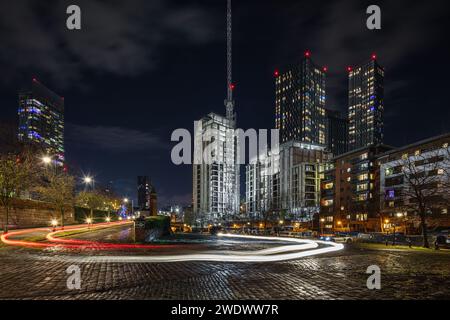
(229, 103)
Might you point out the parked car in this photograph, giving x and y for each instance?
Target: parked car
(442, 242)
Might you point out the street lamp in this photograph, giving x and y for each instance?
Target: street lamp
(321, 225)
(54, 223)
(108, 219)
(46, 160)
(126, 200)
(89, 222)
(87, 180)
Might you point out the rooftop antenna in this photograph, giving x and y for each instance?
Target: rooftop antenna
(229, 103)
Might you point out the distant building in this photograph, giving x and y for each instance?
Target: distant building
(300, 102)
(337, 132)
(366, 105)
(216, 182)
(147, 197)
(41, 120)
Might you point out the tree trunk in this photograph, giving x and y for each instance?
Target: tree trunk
(7, 219)
(424, 230)
(62, 218)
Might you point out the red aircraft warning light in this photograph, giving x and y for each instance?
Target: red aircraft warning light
(276, 73)
(307, 54)
(374, 56)
(325, 69)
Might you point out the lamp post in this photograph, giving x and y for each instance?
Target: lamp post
(322, 220)
(126, 200)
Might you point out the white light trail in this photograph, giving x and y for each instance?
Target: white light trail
(261, 256)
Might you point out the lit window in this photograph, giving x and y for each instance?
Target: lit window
(440, 171)
(417, 153)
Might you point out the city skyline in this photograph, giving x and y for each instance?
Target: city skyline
(148, 135)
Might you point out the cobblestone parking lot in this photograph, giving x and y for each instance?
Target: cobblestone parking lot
(33, 274)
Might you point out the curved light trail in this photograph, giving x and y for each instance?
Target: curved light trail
(300, 249)
(221, 257)
(55, 242)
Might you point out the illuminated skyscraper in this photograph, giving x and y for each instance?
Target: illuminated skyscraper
(366, 104)
(41, 120)
(300, 102)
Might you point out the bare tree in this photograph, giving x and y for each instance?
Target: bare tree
(424, 186)
(91, 200)
(58, 189)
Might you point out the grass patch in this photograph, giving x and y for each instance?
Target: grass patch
(381, 246)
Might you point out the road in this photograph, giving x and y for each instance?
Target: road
(40, 273)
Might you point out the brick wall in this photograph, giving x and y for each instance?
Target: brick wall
(28, 213)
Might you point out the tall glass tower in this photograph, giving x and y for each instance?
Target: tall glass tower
(41, 120)
(366, 104)
(300, 102)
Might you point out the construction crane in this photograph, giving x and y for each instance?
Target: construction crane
(229, 103)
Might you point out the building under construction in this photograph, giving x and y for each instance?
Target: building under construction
(216, 169)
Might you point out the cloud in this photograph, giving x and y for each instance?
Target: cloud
(122, 38)
(113, 139)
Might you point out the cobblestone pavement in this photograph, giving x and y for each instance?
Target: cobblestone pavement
(341, 275)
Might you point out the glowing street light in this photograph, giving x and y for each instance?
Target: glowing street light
(54, 223)
(46, 160)
(108, 219)
(88, 220)
(88, 180)
(126, 200)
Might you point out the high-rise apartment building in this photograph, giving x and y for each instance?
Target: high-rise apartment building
(216, 194)
(366, 104)
(300, 102)
(287, 181)
(41, 120)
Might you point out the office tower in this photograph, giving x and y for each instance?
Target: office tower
(147, 196)
(41, 120)
(215, 181)
(300, 102)
(337, 132)
(366, 104)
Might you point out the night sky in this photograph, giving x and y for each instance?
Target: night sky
(140, 69)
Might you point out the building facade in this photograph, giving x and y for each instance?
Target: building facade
(262, 186)
(411, 173)
(41, 120)
(337, 132)
(287, 183)
(300, 103)
(366, 105)
(350, 191)
(216, 193)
